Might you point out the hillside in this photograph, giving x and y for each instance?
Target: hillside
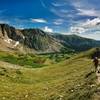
(71, 79)
(76, 42)
(28, 40)
(38, 41)
(41, 41)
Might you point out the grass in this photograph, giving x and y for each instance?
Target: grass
(68, 80)
(58, 57)
(22, 59)
(33, 61)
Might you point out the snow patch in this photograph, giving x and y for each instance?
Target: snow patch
(17, 43)
(8, 40)
(23, 37)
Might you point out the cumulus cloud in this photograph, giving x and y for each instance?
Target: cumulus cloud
(47, 29)
(39, 20)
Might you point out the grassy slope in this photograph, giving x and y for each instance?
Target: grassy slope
(68, 80)
(27, 60)
(34, 61)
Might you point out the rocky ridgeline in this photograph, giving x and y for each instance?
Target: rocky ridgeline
(38, 41)
(29, 39)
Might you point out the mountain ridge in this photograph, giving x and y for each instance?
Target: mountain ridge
(37, 41)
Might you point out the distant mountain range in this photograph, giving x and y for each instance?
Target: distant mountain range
(77, 43)
(38, 41)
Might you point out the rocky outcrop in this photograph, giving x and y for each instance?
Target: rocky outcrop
(28, 39)
(7, 31)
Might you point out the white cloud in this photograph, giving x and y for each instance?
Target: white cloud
(80, 11)
(56, 12)
(86, 8)
(88, 25)
(61, 13)
(47, 29)
(58, 21)
(58, 4)
(79, 8)
(76, 30)
(88, 29)
(39, 20)
(95, 35)
(81, 4)
(91, 23)
(88, 12)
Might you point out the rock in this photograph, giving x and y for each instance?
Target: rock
(26, 95)
(4, 98)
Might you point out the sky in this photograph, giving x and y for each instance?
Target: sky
(80, 17)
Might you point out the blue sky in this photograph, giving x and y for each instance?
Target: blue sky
(81, 17)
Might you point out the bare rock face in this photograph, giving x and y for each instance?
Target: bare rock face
(10, 38)
(41, 41)
(27, 40)
(7, 31)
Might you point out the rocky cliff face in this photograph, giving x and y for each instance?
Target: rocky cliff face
(10, 38)
(27, 40)
(41, 41)
(7, 31)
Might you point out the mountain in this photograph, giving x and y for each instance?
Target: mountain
(41, 41)
(38, 41)
(30, 40)
(10, 38)
(76, 42)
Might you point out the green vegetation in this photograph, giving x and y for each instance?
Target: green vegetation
(77, 43)
(71, 79)
(58, 57)
(34, 61)
(22, 59)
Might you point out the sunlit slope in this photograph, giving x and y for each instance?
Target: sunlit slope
(69, 80)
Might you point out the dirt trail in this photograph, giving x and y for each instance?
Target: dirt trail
(98, 74)
(97, 94)
(98, 77)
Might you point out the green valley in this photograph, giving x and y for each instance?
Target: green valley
(70, 79)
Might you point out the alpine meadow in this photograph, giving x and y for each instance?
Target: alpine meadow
(49, 50)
